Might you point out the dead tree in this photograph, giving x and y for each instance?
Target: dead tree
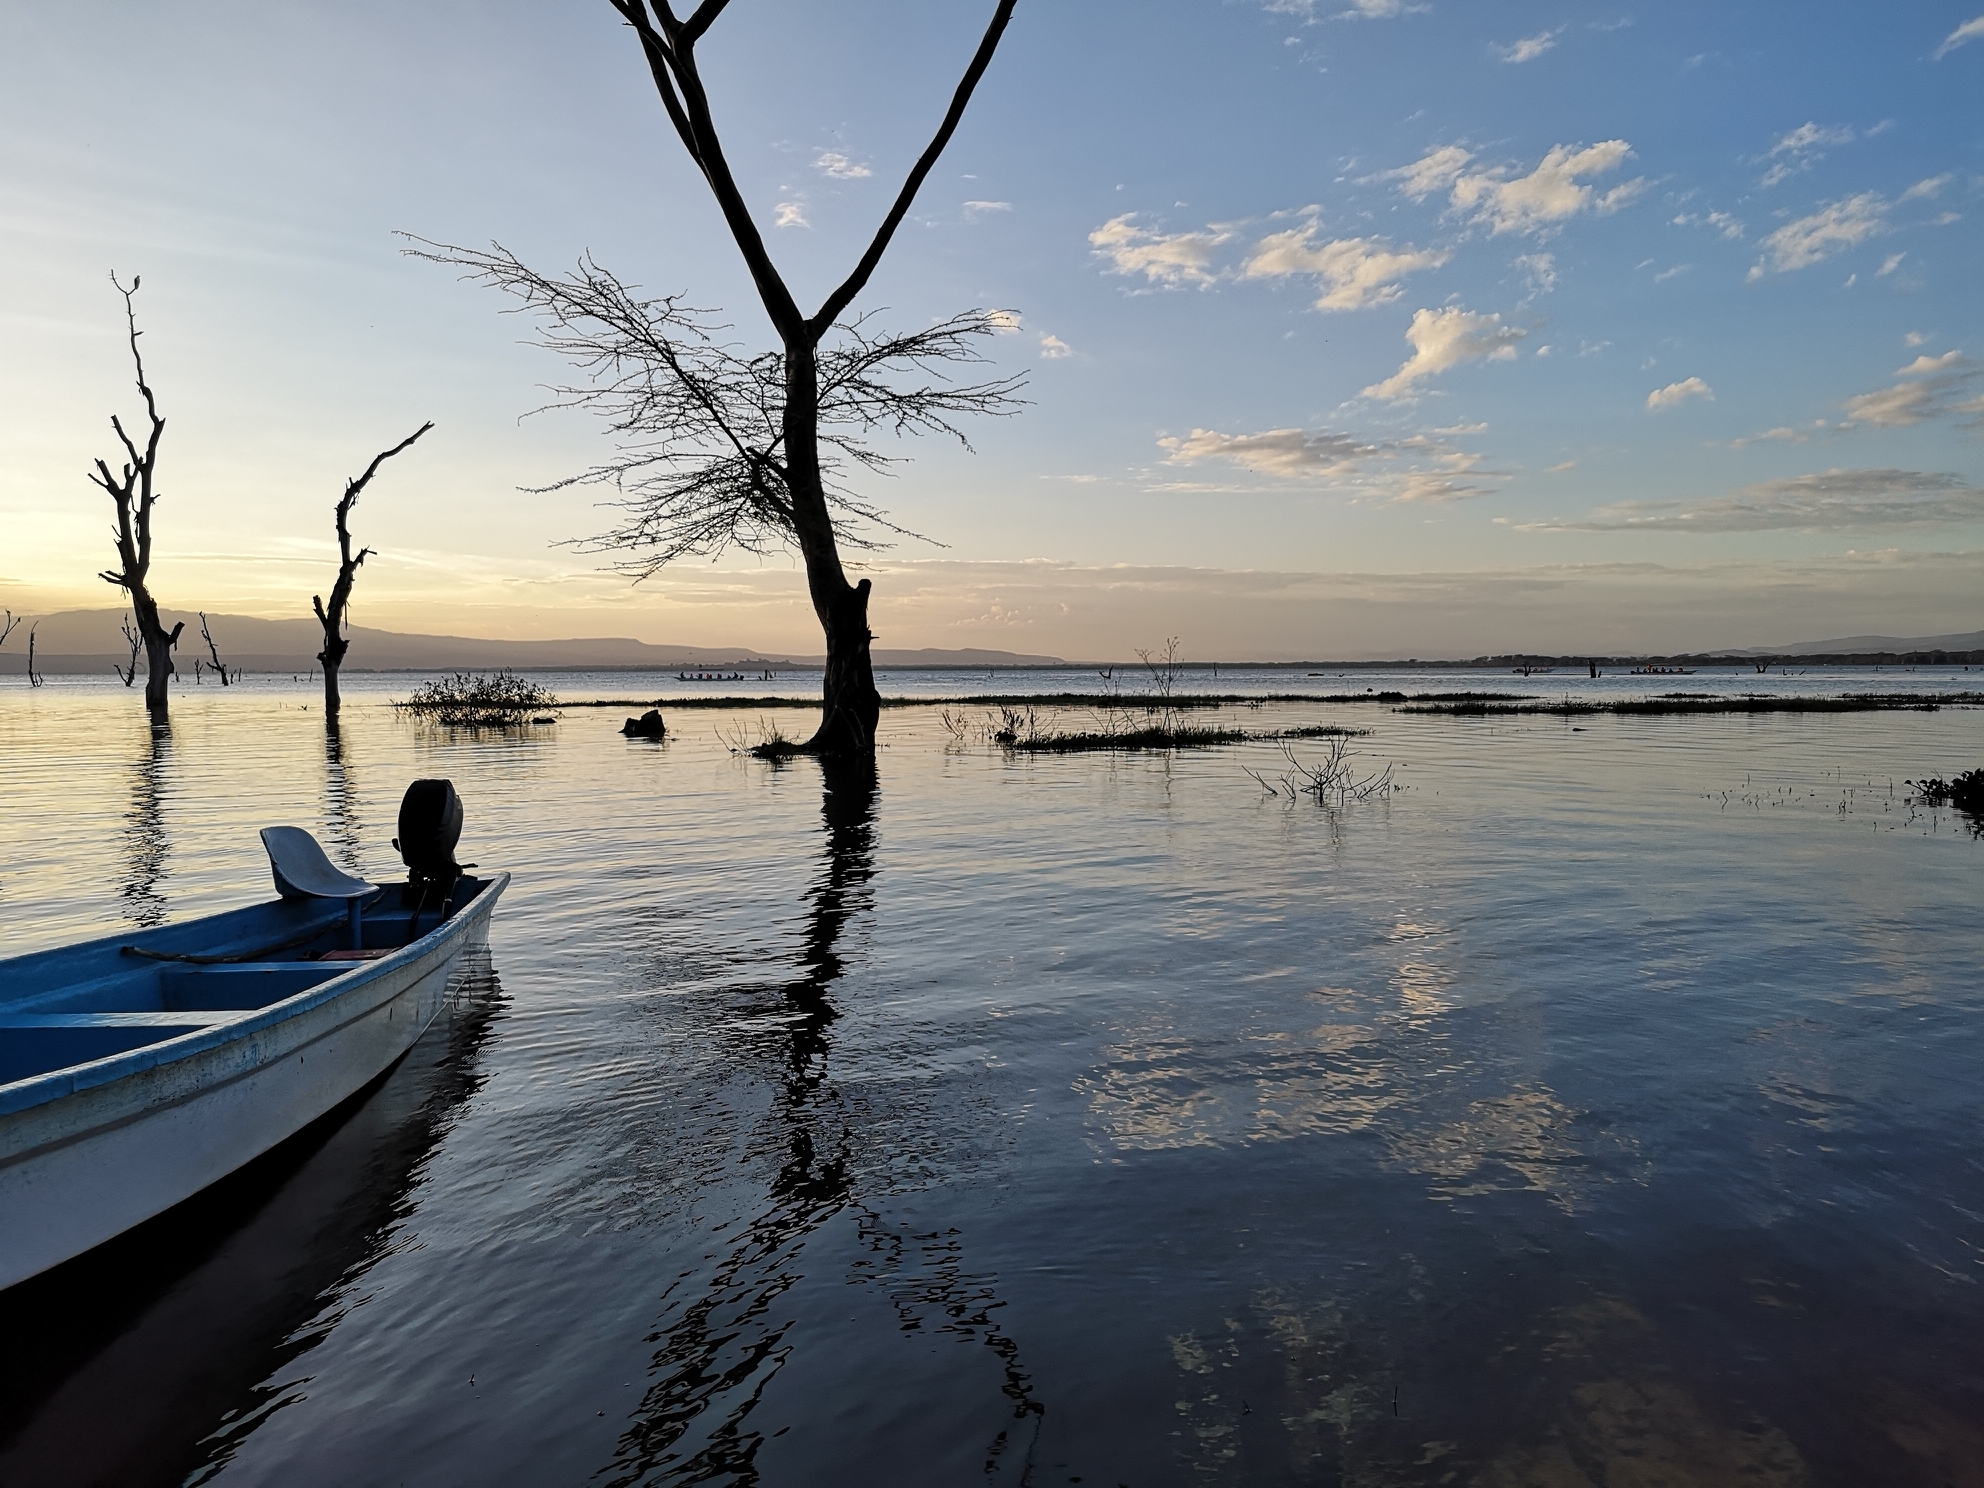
(34, 677)
(735, 452)
(213, 651)
(129, 672)
(331, 616)
(135, 495)
(7, 626)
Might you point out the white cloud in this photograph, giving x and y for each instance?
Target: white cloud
(840, 167)
(1530, 47)
(1889, 265)
(1434, 171)
(1678, 392)
(1284, 452)
(1674, 273)
(1354, 273)
(1722, 222)
(1532, 203)
(1931, 387)
(1932, 186)
(1801, 148)
(1969, 31)
(1169, 259)
(790, 214)
(1782, 434)
(1540, 269)
(1365, 10)
(1915, 338)
(1810, 136)
(976, 209)
(1423, 468)
(1835, 501)
(1441, 339)
(1053, 348)
(1832, 229)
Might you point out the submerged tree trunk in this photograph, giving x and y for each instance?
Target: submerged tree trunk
(331, 658)
(158, 647)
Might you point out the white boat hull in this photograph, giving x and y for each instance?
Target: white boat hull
(83, 1167)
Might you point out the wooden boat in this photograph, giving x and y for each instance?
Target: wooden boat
(137, 1069)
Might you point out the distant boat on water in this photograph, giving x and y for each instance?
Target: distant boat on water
(1661, 671)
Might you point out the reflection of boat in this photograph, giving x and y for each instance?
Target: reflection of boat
(1661, 671)
(209, 1301)
(136, 1071)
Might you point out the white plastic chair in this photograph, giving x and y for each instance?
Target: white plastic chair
(301, 871)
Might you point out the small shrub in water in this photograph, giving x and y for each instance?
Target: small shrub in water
(471, 700)
(1965, 792)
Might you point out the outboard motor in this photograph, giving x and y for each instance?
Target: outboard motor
(430, 826)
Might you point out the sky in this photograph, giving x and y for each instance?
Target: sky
(1399, 329)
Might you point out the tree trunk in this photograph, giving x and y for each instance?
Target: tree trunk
(330, 659)
(158, 648)
(850, 707)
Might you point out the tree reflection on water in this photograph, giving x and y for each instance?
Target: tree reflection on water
(145, 837)
(340, 808)
(720, 1353)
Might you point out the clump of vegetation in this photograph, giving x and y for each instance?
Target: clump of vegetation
(1682, 703)
(1332, 782)
(1152, 736)
(1965, 792)
(471, 700)
(771, 743)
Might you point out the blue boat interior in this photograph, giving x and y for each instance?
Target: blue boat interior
(82, 1003)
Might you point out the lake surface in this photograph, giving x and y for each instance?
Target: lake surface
(1603, 1107)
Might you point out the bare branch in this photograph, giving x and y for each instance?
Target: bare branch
(213, 650)
(332, 616)
(841, 298)
(672, 61)
(701, 425)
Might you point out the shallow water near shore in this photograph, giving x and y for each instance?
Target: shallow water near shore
(1601, 1107)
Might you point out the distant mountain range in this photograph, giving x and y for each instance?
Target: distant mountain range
(1875, 645)
(73, 641)
(79, 641)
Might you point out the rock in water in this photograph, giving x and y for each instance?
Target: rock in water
(647, 726)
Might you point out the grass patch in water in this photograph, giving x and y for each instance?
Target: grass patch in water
(1690, 703)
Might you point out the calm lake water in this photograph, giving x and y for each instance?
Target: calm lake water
(1602, 1108)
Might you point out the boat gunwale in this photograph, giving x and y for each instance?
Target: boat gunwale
(55, 1085)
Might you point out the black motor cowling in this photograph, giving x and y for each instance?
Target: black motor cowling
(430, 826)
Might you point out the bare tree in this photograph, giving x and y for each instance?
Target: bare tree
(734, 451)
(214, 651)
(332, 616)
(129, 671)
(34, 677)
(135, 495)
(7, 626)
